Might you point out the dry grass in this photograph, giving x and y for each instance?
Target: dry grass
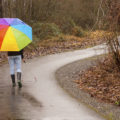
(63, 43)
(91, 39)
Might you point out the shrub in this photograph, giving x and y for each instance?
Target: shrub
(78, 31)
(45, 30)
(67, 26)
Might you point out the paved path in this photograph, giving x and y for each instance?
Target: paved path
(41, 98)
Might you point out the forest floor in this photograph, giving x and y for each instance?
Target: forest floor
(101, 81)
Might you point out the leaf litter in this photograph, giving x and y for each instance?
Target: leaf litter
(101, 81)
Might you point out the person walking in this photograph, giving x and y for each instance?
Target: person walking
(15, 59)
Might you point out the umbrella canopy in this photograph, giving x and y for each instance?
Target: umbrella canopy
(14, 34)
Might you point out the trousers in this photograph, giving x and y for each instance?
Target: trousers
(15, 64)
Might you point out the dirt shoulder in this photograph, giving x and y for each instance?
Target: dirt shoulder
(66, 76)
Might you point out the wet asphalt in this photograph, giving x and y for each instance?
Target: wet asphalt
(41, 97)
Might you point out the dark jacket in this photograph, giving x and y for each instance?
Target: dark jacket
(15, 53)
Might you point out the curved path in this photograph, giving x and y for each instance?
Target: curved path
(41, 98)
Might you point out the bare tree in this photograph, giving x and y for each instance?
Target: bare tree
(113, 18)
(1, 10)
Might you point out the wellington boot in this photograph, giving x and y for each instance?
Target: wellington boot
(13, 80)
(19, 79)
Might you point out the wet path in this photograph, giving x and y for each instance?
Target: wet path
(41, 98)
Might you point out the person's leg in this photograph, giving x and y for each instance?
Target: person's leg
(12, 69)
(18, 69)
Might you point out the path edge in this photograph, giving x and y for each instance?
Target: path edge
(64, 77)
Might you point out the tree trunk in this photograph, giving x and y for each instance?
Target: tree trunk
(1, 11)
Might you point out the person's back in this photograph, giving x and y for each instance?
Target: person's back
(15, 53)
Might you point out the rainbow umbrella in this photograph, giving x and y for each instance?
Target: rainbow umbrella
(14, 34)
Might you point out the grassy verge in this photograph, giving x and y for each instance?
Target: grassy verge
(63, 43)
(60, 43)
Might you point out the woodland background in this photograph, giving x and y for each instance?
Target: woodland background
(66, 14)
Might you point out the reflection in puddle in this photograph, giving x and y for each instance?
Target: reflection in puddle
(31, 99)
(14, 101)
(13, 91)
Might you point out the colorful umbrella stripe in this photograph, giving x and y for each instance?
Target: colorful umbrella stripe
(14, 34)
